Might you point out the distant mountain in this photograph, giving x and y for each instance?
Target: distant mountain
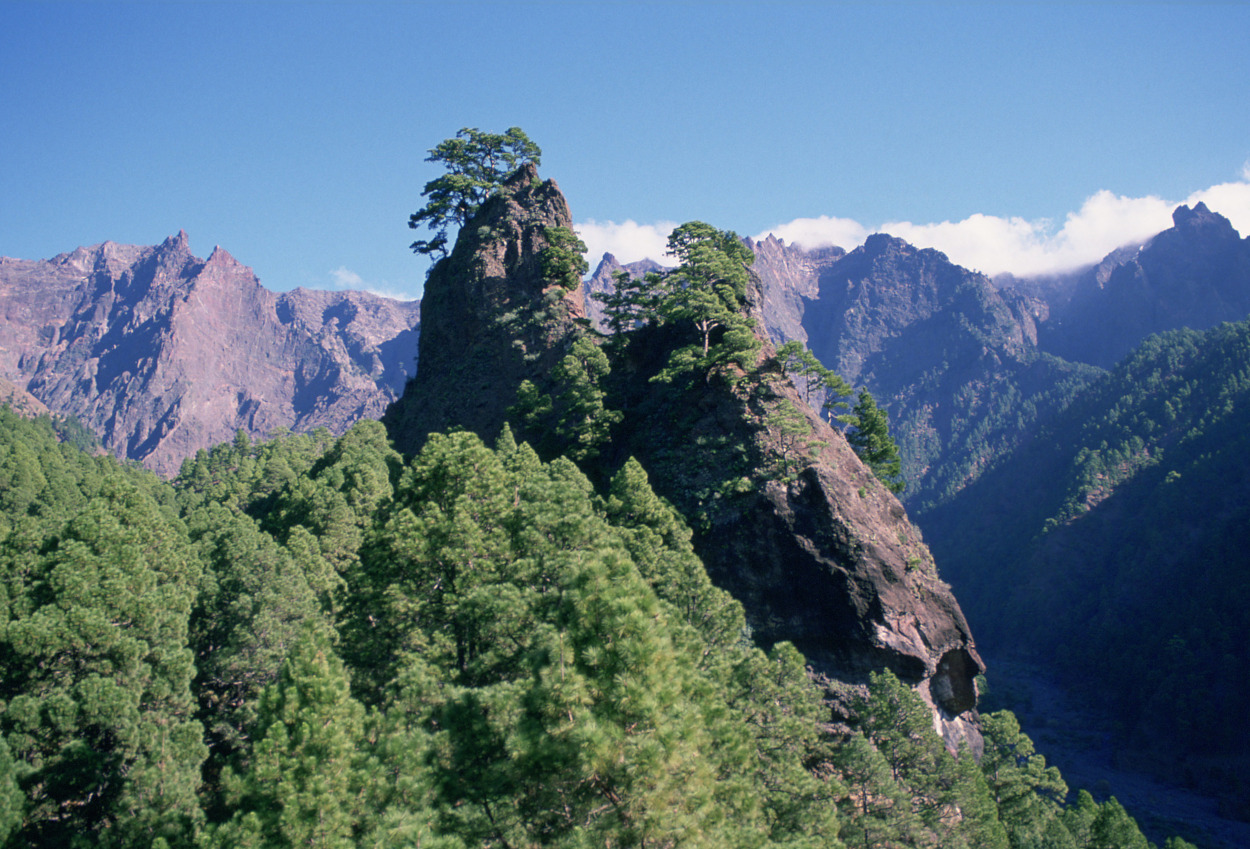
(601, 280)
(1195, 274)
(952, 357)
(162, 353)
(1093, 521)
(1126, 562)
(790, 277)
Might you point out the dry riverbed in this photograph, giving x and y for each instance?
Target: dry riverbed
(1080, 745)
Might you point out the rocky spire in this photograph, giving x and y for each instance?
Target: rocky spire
(489, 317)
(823, 557)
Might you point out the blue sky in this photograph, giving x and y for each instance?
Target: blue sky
(1014, 135)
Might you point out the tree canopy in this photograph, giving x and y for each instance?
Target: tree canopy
(316, 642)
(477, 164)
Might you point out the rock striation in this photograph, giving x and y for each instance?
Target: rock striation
(825, 558)
(162, 353)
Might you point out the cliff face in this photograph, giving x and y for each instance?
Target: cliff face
(790, 277)
(821, 555)
(162, 353)
(490, 318)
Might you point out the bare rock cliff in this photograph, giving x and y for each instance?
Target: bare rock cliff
(490, 318)
(824, 557)
(162, 353)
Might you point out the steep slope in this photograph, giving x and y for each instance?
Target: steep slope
(490, 318)
(1126, 563)
(790, 277)
(163, 353)
(953, 359)
(816, 549)
(1195, 274)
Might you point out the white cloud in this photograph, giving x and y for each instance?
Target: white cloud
(986, 243)
(628, 241)
(345, 278)
(992, 244)
(820, 232)
(349, 281)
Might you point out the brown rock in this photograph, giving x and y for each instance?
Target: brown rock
(162, 353)
(826, 559)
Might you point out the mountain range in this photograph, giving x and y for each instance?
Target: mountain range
(991, 386)
(163, 354)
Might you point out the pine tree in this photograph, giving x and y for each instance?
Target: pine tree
(1028, 793)
(304, 783)
(869, 435)
(98, 709)
(1113, 828)
(12, 800)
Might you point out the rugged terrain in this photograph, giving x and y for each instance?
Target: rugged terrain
(822, 556)
(162, 353)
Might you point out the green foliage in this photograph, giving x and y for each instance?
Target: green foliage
(97, 706)
(477, 164)
(869, 434)
(305, 780)
(1028, 793)
(563, 260)
(541, 666)
(794, 436)
(703, 299)
(572, 417)
(801, 366)
(631, 302)
(76, 434)
(706, 293)
(1121, 564)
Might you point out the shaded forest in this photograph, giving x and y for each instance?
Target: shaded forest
(313, 641)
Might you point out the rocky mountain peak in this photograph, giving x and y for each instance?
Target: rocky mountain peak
(490, 318)
(162, 353)
(1200, 223)
(823, 557)
(1195, 274)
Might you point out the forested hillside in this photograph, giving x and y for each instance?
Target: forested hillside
(315, 642)
(1127, 561)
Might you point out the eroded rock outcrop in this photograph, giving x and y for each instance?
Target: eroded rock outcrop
(490, 317)
(822, 555)
(162, 353)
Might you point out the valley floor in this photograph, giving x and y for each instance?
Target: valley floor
(1079, 744)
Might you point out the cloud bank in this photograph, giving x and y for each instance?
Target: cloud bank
(628, 241)
(344, 279)
(986, 243)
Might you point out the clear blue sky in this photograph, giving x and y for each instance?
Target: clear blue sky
(294, 134)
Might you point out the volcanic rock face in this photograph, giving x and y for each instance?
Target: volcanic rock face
(790, 276)
(162, 353)
(827, 559)
(490, 318)
(1195, 274)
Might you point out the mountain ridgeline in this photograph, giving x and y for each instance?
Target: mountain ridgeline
(574, 590)
(1089, 520)
(163, 354)
(607, 572)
